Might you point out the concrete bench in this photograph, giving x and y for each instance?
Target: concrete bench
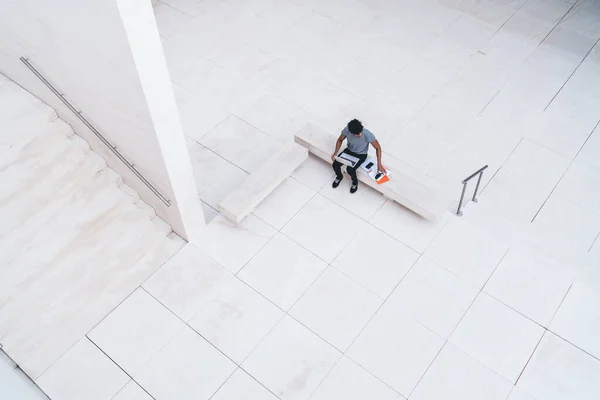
(415, 191)
(244, 199)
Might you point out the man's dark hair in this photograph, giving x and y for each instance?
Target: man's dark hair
(355, 127)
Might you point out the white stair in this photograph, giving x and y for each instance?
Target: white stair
(74, 240)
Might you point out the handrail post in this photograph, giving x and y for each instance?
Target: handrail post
(464, 189)
(462, 196)
(474, 199)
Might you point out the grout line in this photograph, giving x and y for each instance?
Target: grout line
(118, 366)
(552, 191)
(202, 336)
(446, 340)
(572, 73)
(594, 242)
(557, 24)
(559, 305)
(571, 162)
(586, 139)
(488, 103)
(501, 165)
(531, 356)
(224, 382)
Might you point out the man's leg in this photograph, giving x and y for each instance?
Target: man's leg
(337, 168)
(352, 171)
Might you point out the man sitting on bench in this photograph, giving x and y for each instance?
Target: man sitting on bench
(358, 139)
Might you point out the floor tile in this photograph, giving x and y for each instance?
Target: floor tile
(169, 20)
(433, 296)
(291, 361)
(237, 309)
(314, 173)
(581, 185)
(231, 245)
(364, 203)
(282, 271)
(589, 152)
(578, 319)
(267, 113)
(197, 115)
(208, 166)
(519, 394)
(348, 381)
(240, 385)
(336, 308)
(233, 139)
(564, 226)
(132, 391)
(186, 368)
(334, 103)
(83, 372)
(209, 213)
(406, 226)
(135, 331)
(512, 197)
(189, 280)
(376, 260)
(225, 181)
(323, 227)
(559, 370)
(396, 349)
(456, 376)
(497, 336)
(534, 162)
(467, 251)
(531, 284)
(260, 155)
(283, 203)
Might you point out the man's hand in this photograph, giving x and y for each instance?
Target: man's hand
(333, 156)
(381, 168)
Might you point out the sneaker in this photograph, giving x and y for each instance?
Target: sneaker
(336, 183)
(353, 188)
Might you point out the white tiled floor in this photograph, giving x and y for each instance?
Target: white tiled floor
(559, 370)
(291, 361)
(135, 331)
(456, 376)
(187, 368)
(287, 304)
(83, 372)
(396, 349)
(451, 309)
(336, 308)
(497, 336)
(376, 260)
(282, 271)
(434, 297)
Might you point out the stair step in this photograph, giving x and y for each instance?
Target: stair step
(135, 197)
(39, 148)
(16, 102)
(65, 186)
(24, 127)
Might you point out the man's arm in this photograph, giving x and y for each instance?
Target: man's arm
(377, 147)
(338, 144)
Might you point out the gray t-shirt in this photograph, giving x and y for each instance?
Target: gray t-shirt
(358, 144)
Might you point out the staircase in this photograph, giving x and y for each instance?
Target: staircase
(74, 240)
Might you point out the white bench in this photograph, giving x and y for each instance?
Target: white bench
(244, 199)
(414, 190)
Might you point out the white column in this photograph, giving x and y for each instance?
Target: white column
(144, 41)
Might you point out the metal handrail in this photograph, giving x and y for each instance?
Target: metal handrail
(95, 131)
(464, 189)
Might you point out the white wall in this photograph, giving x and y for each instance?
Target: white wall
(106, 57)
